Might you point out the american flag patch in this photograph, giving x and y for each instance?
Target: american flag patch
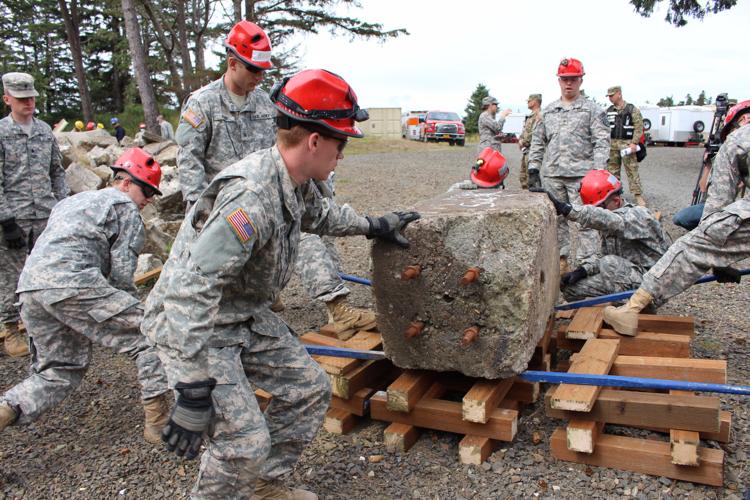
(192, 118)
(241, 225)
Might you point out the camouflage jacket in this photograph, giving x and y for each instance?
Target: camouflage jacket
(233, 254)
(32, 179)
(570, 141)
(92, 240)
(489, 129)
(528, 127)
(630, 232)
(214, 133)
(730, 167)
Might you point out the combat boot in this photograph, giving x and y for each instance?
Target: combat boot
(624, 319)
(564, 268)
(274, 490)
(7, 415)
(640, 200)
(278, 305)
(157, 416)
(16, 342)
(346, 318)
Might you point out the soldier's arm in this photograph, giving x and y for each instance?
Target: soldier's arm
(725, 175)
(5, 209)
(637, 125)
(324, 216)
(631, 223)
(57, 173)
(193, 136)
(536, 152)
(499, 124)
(600, 137)
(125, 225)
(589, 252)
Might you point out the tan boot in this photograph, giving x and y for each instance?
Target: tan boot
(640, 200)
(278, 305)
(275, 490)
(16, 342)
(624, 319)
(7, 415)
(564, 268)
(345, 317)
(157, 415)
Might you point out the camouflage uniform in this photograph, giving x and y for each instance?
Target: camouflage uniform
(567, 142)
(723, 235)
(209, 315)
(77, 287)
(525, 142)
(32, 181)
(489, 130)
(214, 133)
(626, 243)
(630, 162)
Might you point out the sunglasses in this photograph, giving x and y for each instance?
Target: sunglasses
(148, 191)
(341, 143)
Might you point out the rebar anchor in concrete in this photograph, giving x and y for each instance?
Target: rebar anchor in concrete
(414, 330)
(470, 276)
(470, 335)
(411, 272)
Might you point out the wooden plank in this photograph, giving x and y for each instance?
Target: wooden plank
(596, 357)
(679, 325)
(339, 421)
(484, 397)
(684, 444)
(690, 370)
(643, 456)
(724, 434)
(567, 314)
(147, 276)
(447, 416)
(474, 450)
(356, 405)
(661, 411)
(524, 392)
(408, 388)
(643, 344)
(581, 435)
(344, 386)
(400, 437)
(586, 323)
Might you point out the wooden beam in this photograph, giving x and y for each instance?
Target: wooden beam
(724, 435)
(691, 370)
(147, 276)
(635, 409)
(400, 437)
(484, 397)
(581, 435)
(408, 388)
(586, 323)
(474, 450)
(367, 375)
(684, 444)
(679, 325)
(643, 456)
(596, 358)
(643, 344)
(356, 405)
(339, 421)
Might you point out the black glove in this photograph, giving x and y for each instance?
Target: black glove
(389, 226)
(534, 180)
(573, 277)
(13, 234)
(727, 275)
(190, 418)
(561, 207)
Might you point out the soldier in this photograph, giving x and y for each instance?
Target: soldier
(534, 104)
(119, 129)
(571, 139)
(628, 240)
(209, 314)
(77, 287)
(488, 172)
(721, 239)
(229, 118)
(626, 129)
(32, 181)
(165, 128)
(489, 128)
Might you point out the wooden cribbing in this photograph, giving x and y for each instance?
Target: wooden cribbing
(408, 388)
(586, 323)
(643, 456)
(679, 325)
(366, 375)
(724, 434)
(596, 358)
(339, 421)
(712, 371)
(355, 405)
(400, 437)
(473, 450)
(643, 344)
(147, 276)
(683, 444)
(484, 397)
(581, 435)
(339, 366)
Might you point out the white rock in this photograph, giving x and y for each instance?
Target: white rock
(147, 262)
(82, 179)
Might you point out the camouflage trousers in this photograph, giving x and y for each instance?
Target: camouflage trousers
(523, 174)
(566, 189)
(11, 265)
(629, 162)
(318, 265)
(615, 275)
(245, 443)
(720, 240)
(62, 324)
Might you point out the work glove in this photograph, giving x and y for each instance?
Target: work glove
(561, 207)
(389, 227)
(190, 418)
(535, 181)
(13, 234)
(727, 275)
(573, 277)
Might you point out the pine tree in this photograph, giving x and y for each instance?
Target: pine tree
(474, 108)
(679, 11)
(701, 98)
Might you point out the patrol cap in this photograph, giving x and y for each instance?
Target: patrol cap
(489, 100)
(613, 90)
(535, 97)
(19, 85)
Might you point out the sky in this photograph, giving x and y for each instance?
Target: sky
(514, 47)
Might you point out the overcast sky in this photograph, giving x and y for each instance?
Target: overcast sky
(514, 49)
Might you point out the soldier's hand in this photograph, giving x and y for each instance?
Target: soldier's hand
(535, 181)
(506, 112)
(727, 275)
(561, 208)
(190, 418)
(389, 227)
(573, 277)
(13, 234)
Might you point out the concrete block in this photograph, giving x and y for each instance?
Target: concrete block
(510, 239)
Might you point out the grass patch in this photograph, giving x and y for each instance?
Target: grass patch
(370, 145)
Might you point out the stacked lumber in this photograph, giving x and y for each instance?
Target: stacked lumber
(661, 349)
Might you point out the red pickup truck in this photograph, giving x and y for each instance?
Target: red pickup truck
(442, 126)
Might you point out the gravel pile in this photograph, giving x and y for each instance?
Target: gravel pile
(91, 445)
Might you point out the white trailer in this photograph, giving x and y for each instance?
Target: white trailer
(680, 124)
(514, 124)
(650, 120)
(411, 128)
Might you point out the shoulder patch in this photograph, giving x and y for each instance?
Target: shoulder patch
(192, 118)
(241, 224)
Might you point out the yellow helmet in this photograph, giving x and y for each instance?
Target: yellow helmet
(100, 125)
(78, 125)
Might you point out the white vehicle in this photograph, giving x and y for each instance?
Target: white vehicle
(650, 121)
(514, 124)
(411, 127)
(682, 124)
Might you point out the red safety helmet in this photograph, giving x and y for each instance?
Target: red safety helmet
(570, 67)
(249, 43)
(597, 185)
(141, 166)
(141, 125)
(733, 115)
(490, 170)
(322, 100)
(90, 126)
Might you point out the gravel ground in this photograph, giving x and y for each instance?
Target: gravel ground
(91, 445)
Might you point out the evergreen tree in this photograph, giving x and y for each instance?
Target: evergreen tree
(474, 108)
(665, 102)
(688, 99)
(679, 10)
(701, 98)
